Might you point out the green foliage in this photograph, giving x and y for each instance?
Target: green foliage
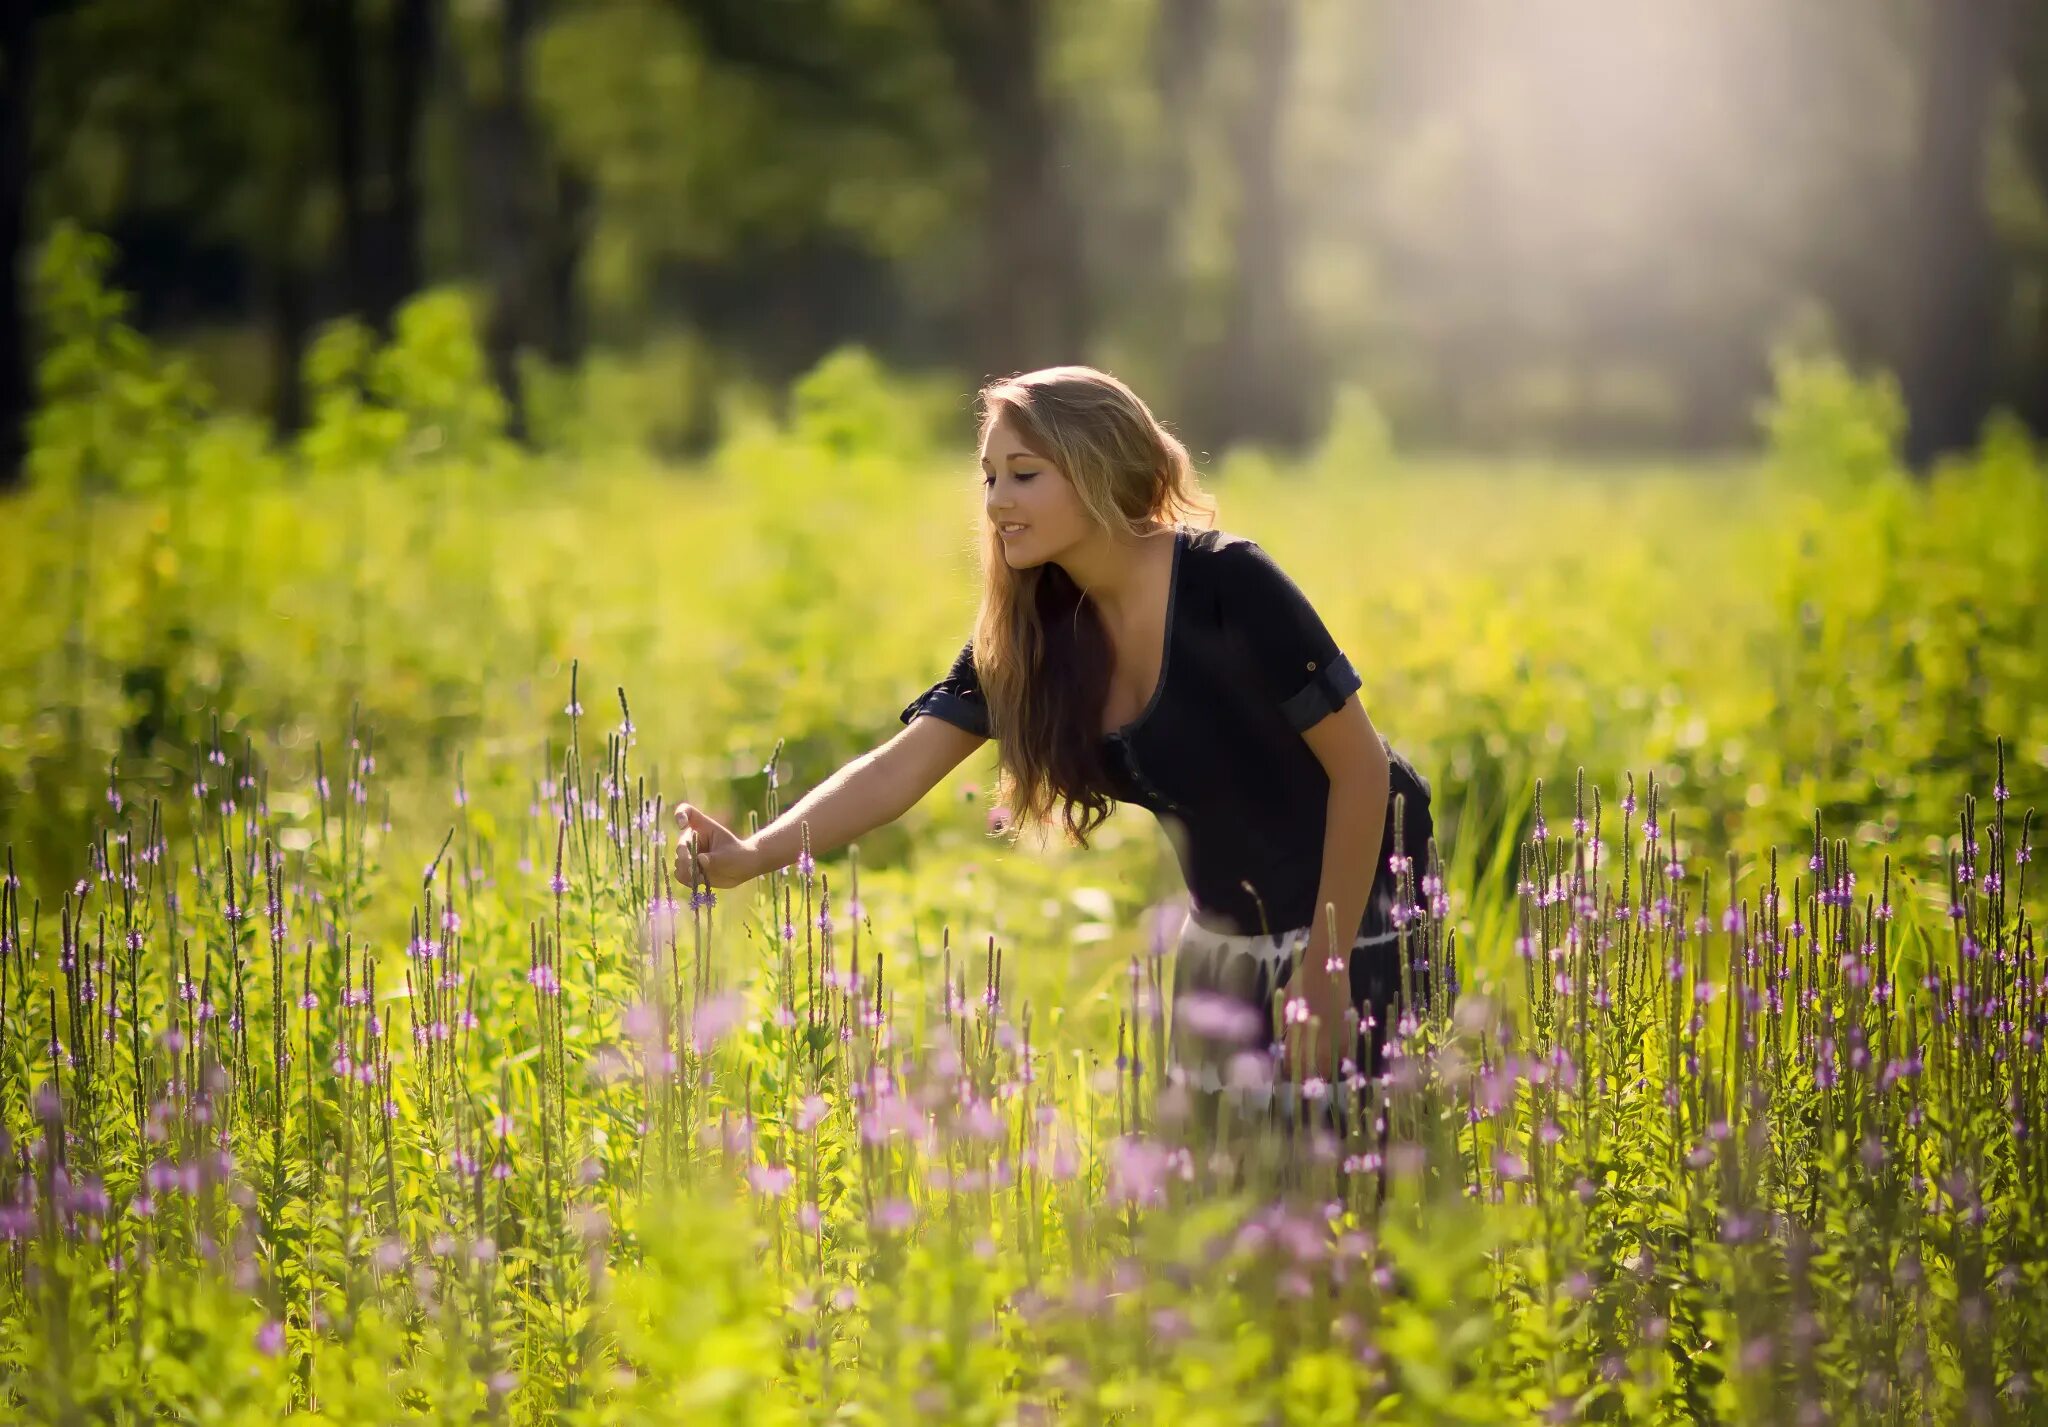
(660, 398)
(862, 117)
(695, 1321)
(112, 414)
(848, 404)
(423, 397)
(1359, 442)
(1825, 421)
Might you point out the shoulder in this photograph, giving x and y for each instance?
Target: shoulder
(1228, 578)
(1229, 561)
(1221, 549)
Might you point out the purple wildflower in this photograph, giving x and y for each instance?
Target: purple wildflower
(1219, 1017)
(771, 1179)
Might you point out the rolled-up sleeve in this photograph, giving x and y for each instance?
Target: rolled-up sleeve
(956, 698)
(1295, 658)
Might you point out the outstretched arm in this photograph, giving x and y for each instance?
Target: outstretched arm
(866, 793)
(1361, 779)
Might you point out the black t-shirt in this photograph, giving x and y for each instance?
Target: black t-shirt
(1218, 755)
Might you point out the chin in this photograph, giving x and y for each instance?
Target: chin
(1041, 548)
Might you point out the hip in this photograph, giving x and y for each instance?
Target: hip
(1224, 990)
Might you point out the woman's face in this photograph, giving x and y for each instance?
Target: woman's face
(1022, 489)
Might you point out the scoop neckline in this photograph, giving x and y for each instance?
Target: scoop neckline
(1166, 652)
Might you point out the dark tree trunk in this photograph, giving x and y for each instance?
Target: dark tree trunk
(1950, 361)
(290, 324)
(2032, 67)
(563, 334)
(504, 212)
(338, 26)
(1182, 41)
(1255, 382)
(395, 229)
(528, 218)
(1031, 304)
(17, 386)
(379, 258)
(1180, 56)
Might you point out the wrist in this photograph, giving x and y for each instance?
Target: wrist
(1327, 994)
(1312, 965)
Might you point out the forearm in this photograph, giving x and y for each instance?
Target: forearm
(1354, 827)
(862, 795)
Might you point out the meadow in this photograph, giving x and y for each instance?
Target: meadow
(361, 1060)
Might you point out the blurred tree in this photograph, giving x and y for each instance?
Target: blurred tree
(739, 153)
(1186, 134)
(1572, 222)
(1948, 365)
(527, 212)
(2030, 69)
(1253, 380)
(373, 126)
(922, 131)
(1030, 296)
(19, 23)
(1181, 47)
(214, 114)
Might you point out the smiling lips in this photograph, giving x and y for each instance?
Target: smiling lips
(1007, 530)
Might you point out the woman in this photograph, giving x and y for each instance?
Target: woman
(1121, 655)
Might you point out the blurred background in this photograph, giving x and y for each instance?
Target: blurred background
(1640, 392)
(1568, 225)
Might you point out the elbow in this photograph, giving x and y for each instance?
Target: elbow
(1370, 779)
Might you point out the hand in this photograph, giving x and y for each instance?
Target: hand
(1319, 1030)
(710, 852)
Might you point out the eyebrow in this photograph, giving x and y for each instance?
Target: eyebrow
(1017, 456)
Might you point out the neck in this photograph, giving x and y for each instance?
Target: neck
(1108, 567)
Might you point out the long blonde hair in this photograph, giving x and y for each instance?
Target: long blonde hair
(1041, 652)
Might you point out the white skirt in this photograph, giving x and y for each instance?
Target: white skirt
(1223, 988)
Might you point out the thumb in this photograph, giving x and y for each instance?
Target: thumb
(691, 819)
